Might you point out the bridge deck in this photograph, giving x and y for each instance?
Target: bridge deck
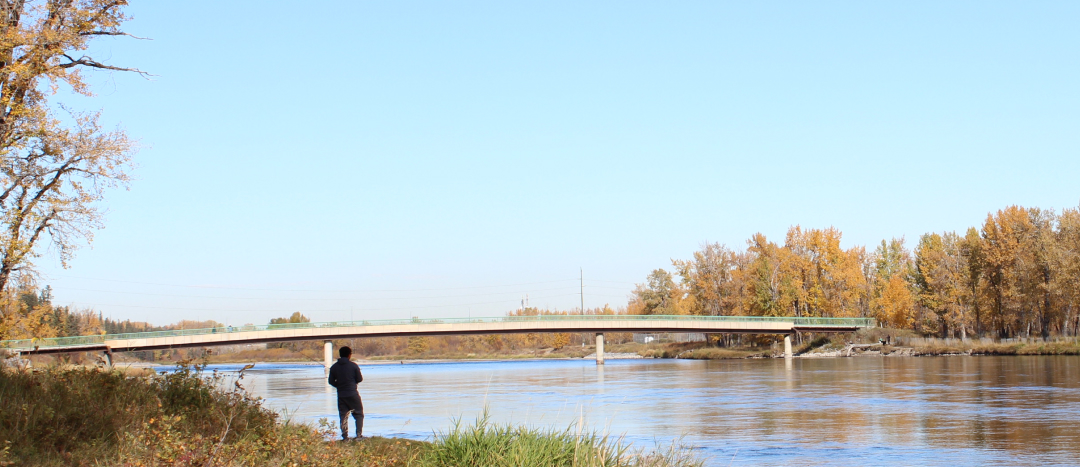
(432, 327)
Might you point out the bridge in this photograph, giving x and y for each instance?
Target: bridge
(597, 324)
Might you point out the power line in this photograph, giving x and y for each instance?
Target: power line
(307, 299)
(613, 282)
(311, 310)
(310, 290)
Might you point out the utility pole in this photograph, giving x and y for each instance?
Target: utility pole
(582, 279)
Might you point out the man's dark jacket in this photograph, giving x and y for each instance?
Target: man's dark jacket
(344, 375)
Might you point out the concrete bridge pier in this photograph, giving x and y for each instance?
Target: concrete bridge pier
(108, 359)
(328, 355)
(787, 346)
(599, 348)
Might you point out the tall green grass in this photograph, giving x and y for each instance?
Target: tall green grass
(488, 444)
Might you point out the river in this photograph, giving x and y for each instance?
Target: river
(829, 411)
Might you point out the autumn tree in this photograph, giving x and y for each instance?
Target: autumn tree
(892, 301)
(30, 315)
(708, 278)
(1016, 274)
(971, 248)
(296, 317)
(1018, 269)
(1042, 273)
(940, 277)
(769, 285)
(418, 345)
(1002, 245)
(1065, 261)
(829, 280)
(55, 164)
(662, 295)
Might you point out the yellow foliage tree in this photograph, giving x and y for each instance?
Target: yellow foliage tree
(52, 174)
(896, 304)
(829, 280)
(418, 345)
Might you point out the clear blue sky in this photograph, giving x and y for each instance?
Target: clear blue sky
(404, 159)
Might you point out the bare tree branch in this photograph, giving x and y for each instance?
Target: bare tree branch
(113, 33)
(89, 62)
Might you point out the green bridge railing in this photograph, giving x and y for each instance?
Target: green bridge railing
(76, 341)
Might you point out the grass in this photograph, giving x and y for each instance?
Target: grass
(934, 347)
(698, 351)
(267, 355)
(1001, 348)
(824, 342)
(488, 444)
(87, 416)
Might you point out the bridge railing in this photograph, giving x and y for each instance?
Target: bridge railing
(836, 322)
(77, 341)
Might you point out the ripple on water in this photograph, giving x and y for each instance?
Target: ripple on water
(850, 411)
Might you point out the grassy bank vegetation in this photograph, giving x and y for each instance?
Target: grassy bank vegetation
(907, 343)
(897, 342)
(86, 416)
(76, 416)
(487, 444)
(997, 348)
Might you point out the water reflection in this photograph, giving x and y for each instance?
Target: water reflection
(848, 411)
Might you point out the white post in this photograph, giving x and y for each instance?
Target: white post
(787, 346)
(599, 348)
(328, 354)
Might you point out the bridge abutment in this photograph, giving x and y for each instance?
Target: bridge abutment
(599, 348)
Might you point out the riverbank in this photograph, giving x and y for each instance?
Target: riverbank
(75, 416)
(948, 349)
(893, 343)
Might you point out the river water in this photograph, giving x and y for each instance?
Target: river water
(829, 411)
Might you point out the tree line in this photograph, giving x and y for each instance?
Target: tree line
(488, 344)
(1018, 274)
(29, 313)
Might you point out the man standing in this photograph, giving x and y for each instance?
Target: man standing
(344, 376)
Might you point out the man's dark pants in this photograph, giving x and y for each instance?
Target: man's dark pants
(345, 406)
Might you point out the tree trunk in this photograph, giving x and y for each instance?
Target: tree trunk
(1046, 305)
